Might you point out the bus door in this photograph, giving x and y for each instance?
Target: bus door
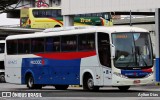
(105, 57)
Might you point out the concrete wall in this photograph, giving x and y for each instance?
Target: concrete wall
(70, 7)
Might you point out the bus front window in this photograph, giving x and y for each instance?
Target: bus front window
(133, 50)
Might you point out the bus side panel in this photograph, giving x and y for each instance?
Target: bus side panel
(65, 71)
(45, 23)
(91, 65)
(51, 71)
(13, 69)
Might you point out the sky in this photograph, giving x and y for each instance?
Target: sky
(8, 21)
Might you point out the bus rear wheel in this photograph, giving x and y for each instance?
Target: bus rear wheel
(88, 84)
(31, 85)
(57, 26)
(123, 88)
(61, 87)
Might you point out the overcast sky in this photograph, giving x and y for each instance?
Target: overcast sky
(7, 21)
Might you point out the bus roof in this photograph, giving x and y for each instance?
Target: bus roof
(77, 30)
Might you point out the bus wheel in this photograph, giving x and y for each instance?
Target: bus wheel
(57, 26)
(31, 85)
(61, 87)
(88, 84)
(30, 82)
(123, 88)
(37, 86)
(2, 79)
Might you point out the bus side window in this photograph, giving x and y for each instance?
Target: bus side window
(86, 42)
(37, 45)
(12, 47)
(20, 46)
(2, 48)
(59, 13)
(27, 46)
(24, 46)
(52, 44)
(69, 43)
(104, 49)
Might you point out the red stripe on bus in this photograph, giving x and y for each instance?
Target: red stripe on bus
(102, 20)
(57, 21)
(147, 70)
(67, 55)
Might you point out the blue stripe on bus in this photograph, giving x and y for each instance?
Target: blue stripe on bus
(134, 73)
(50, 71)
(157, 69)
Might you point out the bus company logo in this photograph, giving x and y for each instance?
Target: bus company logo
(37, 62)
(135, 74)
(12, 62)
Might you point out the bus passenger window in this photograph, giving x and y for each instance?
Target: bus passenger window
(59, 13)
(27, 46)
(86, 42)
(52, 44)
(69, 43)
(12, 46)
(37, 45)
(24, 46)
(104, 49)
(20, 46)
(2, 48)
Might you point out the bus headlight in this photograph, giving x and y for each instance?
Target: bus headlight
(119, 75)
(149, 75)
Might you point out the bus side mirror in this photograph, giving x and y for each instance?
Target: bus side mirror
(113, 51)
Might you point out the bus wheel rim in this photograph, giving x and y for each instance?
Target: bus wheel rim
(30, 82)
(90, 83)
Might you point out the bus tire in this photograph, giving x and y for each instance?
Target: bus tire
(88, 83)
(30, 83)
(123, 88)
(61, 87)
(57, 26)
(2, 78)
(38, 86)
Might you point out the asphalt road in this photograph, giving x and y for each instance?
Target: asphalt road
(20, 92)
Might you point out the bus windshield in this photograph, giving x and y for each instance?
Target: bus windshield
(133, 50)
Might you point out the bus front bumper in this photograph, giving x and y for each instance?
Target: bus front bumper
(122, 81)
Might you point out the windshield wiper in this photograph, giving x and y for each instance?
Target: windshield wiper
(129, 62)
(140, 56)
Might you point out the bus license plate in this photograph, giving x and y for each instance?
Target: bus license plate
(136, 81)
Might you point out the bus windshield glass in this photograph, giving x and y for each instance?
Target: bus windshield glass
(2, 47)
(133, 50)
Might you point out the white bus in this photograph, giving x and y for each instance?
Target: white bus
(2, 44)
(93, 57)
